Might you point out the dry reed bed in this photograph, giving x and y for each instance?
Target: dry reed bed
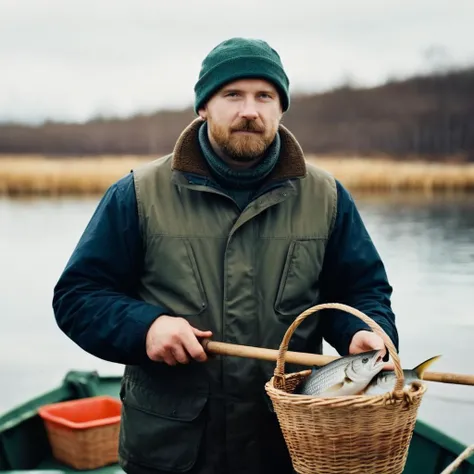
(37, 175)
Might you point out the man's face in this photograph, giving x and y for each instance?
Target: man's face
(243, 118)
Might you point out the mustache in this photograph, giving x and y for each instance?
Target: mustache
(246, 125)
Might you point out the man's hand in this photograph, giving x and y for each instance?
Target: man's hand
(173, 340)
(364, 341)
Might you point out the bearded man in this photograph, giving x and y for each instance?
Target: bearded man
(231, 236)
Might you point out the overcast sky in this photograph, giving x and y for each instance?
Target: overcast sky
(74, 59)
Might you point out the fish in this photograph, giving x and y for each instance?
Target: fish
(347, 375)
(385, 380)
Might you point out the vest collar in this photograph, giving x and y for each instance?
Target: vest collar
(188, 157)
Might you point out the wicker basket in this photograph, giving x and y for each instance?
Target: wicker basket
(83, 433)
(357, 434)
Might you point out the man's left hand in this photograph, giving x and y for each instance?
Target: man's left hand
(364, 341)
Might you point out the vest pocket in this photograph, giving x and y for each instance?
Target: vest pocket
(161, 430)
(173, 276)
(299, 283)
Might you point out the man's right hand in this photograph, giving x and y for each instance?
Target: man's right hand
(173, 340)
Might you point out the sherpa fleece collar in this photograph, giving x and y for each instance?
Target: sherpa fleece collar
(188, 157)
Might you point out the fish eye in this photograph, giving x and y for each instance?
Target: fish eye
(365, 360)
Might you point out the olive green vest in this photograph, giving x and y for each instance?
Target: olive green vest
(243, 275)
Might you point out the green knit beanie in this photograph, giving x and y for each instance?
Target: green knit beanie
(239, 58)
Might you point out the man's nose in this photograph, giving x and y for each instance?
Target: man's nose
(249, 110)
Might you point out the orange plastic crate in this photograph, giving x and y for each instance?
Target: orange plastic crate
(84, 433)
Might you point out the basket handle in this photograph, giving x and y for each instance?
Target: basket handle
(280, 365)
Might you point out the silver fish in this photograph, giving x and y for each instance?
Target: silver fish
(347, 375)
(385, 380)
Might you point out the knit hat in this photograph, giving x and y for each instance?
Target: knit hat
(239, 58)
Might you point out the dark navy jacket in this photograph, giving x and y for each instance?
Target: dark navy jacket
(95, 303)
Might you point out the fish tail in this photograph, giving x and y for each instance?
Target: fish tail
(421, 368)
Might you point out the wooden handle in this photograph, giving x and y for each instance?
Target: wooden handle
(305, 358)
(446, 377)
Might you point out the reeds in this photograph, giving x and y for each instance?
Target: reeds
(384, 175)
(38, 175)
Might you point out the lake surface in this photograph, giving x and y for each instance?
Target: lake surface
(427, 245)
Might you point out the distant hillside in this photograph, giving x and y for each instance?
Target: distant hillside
(430, 117)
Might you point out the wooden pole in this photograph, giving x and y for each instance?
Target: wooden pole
(304, 358)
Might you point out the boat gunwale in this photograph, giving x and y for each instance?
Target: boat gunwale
(66, 391)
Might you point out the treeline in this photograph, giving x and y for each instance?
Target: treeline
(427, 116)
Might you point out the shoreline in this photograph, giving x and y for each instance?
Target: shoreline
(36, 175)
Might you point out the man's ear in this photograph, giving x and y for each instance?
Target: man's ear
(203, 113)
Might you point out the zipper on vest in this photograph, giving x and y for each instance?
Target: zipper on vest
(257, 206)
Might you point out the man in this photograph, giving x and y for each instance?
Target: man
(231, 236)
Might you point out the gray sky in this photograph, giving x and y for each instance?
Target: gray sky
(73, 59)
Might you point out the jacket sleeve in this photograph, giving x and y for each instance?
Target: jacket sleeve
(353, 273)
(95, 301)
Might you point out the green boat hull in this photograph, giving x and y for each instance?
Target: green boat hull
(24, 445)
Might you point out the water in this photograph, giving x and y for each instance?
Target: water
(427, 246)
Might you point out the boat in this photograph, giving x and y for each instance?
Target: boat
(24, 445)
